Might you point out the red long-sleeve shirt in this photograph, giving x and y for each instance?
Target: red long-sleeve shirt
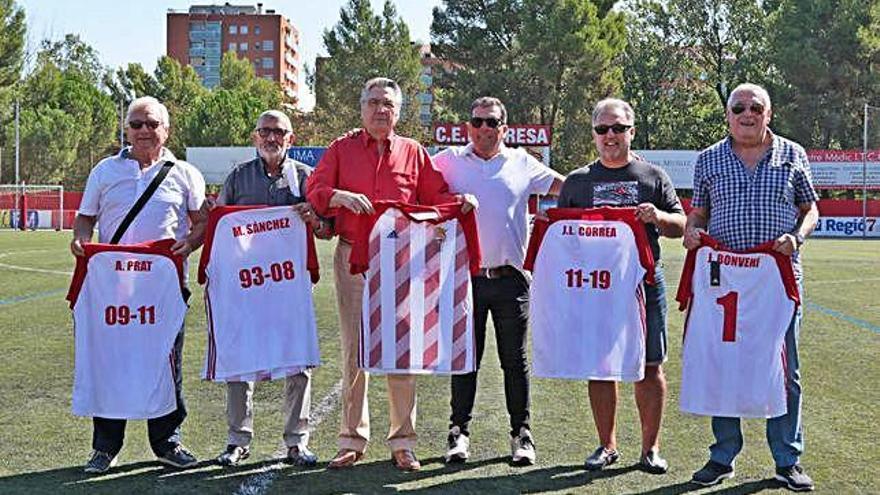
(403, 173)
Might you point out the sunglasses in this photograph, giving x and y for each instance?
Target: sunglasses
(137, 124)
(617, 128)
(492, 122)
(277, 131)
(739, 108)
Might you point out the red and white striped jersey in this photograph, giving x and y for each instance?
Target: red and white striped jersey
(258, 264)
(740, 305)
(417, 307)
(586, 302)
(128, 308)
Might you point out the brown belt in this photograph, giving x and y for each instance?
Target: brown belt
(498, 272)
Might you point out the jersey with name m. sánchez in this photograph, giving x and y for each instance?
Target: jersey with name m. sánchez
(739, 307)
(417, 307)
(258, 265)
(586, 301)
(128, 307)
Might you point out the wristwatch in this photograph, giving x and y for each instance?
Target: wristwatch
(798, 239)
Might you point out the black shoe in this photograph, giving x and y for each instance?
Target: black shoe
(601, 458)
(179, 457)
(100, 462)
(712, 474)
(233, 455)
(458, 446)
(653, 463)
(794, 478)
(301, 456)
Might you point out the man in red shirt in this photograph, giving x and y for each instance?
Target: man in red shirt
(364, 166)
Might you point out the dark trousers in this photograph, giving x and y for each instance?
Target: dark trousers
(507, 298)
(164, 431)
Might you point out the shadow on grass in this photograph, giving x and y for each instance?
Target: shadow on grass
(729, 488)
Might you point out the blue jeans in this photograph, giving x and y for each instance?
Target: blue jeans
(655, 319)
(785, 434)
(164, 431)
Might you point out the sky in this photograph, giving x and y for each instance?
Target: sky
(125, 32)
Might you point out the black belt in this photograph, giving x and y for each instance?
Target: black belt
(498, 272)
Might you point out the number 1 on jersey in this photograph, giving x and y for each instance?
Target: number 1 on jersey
(728, 303)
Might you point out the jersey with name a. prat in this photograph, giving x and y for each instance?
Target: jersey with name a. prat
(739, 307)
(417, 309)
(258, 265)
(127, 310)
(586, 302)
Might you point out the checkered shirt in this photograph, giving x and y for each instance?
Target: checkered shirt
(748, 208)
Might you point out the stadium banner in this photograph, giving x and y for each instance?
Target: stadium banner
(853, 227)
(831, 169)
(36, 219)
(534, 135)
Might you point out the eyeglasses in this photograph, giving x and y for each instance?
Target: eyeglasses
(137, 124)
(381, 102)
(492, 122)
(277, 131)
(617, 128)
(739, 108)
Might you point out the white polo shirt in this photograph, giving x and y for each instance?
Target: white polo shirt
(502, 185)
(116, 182)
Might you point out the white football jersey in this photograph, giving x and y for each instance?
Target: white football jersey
(417, 307)
(128, 308)
(258, 265)
(740, 305)
(586, 302)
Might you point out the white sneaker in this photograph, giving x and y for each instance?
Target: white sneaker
(458, 445)
(522, 448)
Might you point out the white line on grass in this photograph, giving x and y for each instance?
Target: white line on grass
(259, 483)
(28, 269)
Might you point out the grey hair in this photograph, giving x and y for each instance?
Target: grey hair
(489, 102)
(148, 102)
(276, 115)
(613, 103)
(382, 82)
(758, 91)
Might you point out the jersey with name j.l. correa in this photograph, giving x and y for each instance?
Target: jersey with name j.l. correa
(586, 302)
(258, 265)
(128, 307)
(417, 315)
(739, 307)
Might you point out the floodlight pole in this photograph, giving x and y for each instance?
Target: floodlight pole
(17, 145)
(865, 175)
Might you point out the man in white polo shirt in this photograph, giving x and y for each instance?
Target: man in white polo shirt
(173, 211)
(501, 179)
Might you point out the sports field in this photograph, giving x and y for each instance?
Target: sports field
(43, 447)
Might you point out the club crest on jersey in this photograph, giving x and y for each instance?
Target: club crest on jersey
(440, 234)
(392, 235)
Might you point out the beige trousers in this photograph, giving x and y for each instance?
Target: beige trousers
(297, 403)
(354, 431)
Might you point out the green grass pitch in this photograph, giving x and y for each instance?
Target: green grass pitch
(43, 447)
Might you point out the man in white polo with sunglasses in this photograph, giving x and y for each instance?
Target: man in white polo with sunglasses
(501, 179)
(620, 179)
(750, 188)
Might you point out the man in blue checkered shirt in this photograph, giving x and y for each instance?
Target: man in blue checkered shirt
(750, 188)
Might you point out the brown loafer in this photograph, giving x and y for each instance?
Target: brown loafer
(345, 458)
(405, 460)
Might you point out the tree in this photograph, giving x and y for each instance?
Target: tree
(548, 60)
(826, 77)
(12, 38)
(73, 55)
(360, 46)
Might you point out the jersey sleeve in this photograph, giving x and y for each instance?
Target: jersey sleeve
(539, 229)
(359, 260)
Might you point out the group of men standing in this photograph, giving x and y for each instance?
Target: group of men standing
(735, 198)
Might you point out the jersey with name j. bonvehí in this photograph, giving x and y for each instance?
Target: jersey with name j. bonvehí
(128, 308)
(258, 265)
(587, 303)
(739, 307)
(417, 309)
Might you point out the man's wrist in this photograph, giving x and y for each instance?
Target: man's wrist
(799, 239)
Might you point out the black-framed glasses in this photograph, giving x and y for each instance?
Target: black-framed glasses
(137, 124)
(492, 122)
(739, 108)
(279, 133)
(617, 128)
